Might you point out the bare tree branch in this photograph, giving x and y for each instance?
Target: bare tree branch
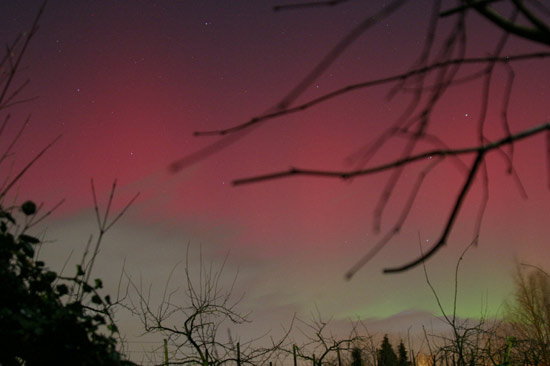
(337, 50)
(450, 221)
(540, 34)
(388, 166)
(397, 227)
(192, 327)
(311, 4)
(368, 84)
(440, 65)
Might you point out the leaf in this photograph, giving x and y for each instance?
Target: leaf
(97, 300)
(79, 270)
(62, 289)
(86, 288)
(113, 328)
(98, 283)
(8, 216)
(27, 249)
(28, 239)
(49, 276)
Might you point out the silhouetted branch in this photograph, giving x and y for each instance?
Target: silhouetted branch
(536, 267)
(368, 84)
(102, 224)
(462, 8)
(484, 201)
(388, 166)
(468, 343)
(397, 226)
(27, 167)
(537, 22)
(207, 151)
(192, 326)
(450, 221)
(442, 66)
(311, 4)
(319, 343)
(487, 83)
(504, 111)
(441, 153)
(35, 219)
(337, 50)
(14, 140)
(539, 34)
(548, 156)
(15, 60)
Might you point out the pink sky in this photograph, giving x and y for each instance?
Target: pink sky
(127, 83)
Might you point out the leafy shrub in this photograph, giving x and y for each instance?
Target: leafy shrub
(46, 318)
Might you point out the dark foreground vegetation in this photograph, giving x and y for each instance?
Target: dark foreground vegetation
(45, 318)
(50, 319)
(194, 332)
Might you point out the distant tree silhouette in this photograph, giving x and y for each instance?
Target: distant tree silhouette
(319, 346)
(357, 357)
(529, 314)
(402, 355)
(386, 354)
(440, 65)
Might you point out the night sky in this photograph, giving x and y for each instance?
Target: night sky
(128, 82)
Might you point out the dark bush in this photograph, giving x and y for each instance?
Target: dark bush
(46, 319)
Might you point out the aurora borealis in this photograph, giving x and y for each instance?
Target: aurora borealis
(128, 82)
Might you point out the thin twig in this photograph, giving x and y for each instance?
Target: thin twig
(311, 4)
(15, 65)
(390, 165)
(397, 226)
(27, 167)
(337, 51)
(367, 84)
(450, 221)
